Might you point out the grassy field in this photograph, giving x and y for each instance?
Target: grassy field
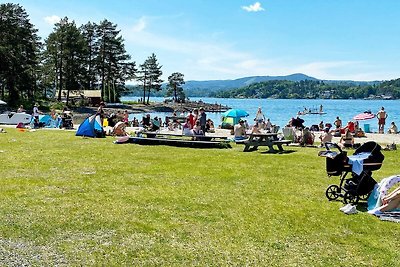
(67, 200)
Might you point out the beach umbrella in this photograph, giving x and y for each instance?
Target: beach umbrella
(2, 102)
(364, 116)
(235, 113)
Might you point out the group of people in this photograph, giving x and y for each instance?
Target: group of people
(57, 120)
(197, 123)
(261, 123)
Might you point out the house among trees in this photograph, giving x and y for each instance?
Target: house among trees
(90, 97)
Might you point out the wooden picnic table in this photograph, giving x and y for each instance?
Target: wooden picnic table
(264, 139)
(201, 137)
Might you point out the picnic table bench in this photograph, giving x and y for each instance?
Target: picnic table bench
(264, 139)
(199, 137)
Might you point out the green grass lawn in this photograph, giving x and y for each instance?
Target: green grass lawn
(67, 200)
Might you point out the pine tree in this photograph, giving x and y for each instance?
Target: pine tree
(89, 32)
(112, 61)
(150, 76)
(19, 49)
(65, 54)
(175, 86)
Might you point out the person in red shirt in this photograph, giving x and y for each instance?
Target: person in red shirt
(351, 126)
(191, 119)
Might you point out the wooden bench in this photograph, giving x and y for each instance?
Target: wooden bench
(180, 142)
(279, 143)
(200, 137)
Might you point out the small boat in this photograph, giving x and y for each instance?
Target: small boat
(317, 113)
(14, 118)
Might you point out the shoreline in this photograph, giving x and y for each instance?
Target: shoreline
(382, 139)
(83, 112)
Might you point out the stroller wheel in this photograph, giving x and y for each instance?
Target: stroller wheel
(349, 198)
(332, 192)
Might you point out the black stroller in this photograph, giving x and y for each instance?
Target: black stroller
(360, 184)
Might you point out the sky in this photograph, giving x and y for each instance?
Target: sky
(229, 39)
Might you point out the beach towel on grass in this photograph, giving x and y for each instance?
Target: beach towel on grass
(390, 216)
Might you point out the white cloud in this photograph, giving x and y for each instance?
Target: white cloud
(140, 25)
(52, 19)
(256, 7)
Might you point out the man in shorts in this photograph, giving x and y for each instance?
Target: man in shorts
(381, 115)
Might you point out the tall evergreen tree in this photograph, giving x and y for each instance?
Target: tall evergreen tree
(90, 34)
(150, 76)
(19, 47)
(175, 82)
(65, 53)
(111, 61)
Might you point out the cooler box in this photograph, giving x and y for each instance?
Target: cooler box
(366, 128)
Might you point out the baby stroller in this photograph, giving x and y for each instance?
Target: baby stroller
(66, 120)
(366, 159)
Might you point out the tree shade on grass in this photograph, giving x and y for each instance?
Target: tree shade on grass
(69, 200)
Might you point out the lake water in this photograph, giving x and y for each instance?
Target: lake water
(280, 111)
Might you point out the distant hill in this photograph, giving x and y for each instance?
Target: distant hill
(212, 87)
(207, 88)
(216, 85)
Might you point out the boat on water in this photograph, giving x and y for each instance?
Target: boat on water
(311, 111)
(14, 118)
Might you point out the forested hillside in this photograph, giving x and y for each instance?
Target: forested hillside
(314, 89)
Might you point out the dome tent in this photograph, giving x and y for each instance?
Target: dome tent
(91, 127)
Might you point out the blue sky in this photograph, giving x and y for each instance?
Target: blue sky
(229, 39)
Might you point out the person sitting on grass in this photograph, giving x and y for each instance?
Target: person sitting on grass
(326, 136)
(187, 126)
(393, 128)
(255, 129)
(120, 129)
(307, 137)
(347, 140)
(389, 203)
(197, 131)
(239, 131)
(210, 126)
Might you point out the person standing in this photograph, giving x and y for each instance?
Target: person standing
(203, 119)
(35, 114)
(191, 119)
(21, 109)
(382, 116)
(259, 116)
(338, 123)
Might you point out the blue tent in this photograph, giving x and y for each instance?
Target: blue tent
(232, 117)
(91, 127)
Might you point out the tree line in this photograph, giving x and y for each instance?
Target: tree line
(313, 89)
(89, 57)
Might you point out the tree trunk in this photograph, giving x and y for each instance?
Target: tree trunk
(13, 93)
(144, 92)
(175, 99)
(148, 96)
(67, 98)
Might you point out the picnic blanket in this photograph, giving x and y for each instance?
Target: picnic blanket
(390, 216)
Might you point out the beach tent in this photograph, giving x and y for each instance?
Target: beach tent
(232, 117)
(45, 119)
(91, 127)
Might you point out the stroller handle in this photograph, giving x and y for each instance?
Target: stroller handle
(328, 145)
